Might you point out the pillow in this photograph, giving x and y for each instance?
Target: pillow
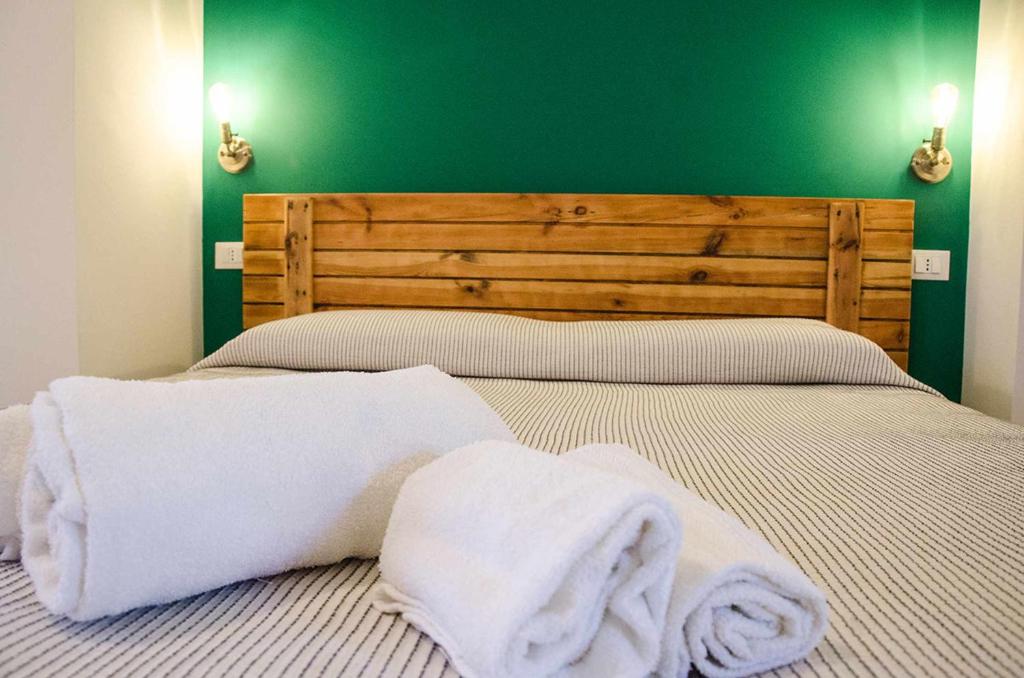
(468, 344)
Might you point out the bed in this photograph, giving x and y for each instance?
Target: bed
(904, 507)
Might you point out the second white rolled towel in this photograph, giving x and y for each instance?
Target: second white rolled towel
(520, 564)
(738, 606)
(142, 492)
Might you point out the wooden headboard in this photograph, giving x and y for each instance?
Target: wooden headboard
(576, 257)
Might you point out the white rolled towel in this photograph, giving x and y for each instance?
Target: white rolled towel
(15, 436)
(738, 606)
(139, 493)
(519, 564)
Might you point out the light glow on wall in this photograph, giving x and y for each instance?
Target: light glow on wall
(177, 92)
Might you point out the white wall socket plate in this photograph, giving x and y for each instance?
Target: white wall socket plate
(930, 265)
(228, 254)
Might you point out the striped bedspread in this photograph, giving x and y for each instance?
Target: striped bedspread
(907, 509)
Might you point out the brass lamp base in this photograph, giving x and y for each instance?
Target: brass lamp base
(932, 161)
(235, 155)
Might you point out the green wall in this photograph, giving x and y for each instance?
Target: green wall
(743, 97)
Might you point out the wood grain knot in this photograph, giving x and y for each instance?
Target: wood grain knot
(619, 303)
(580, 210)
(698, 276)
(477, 290)
(738, 214)
(369, 214)
(714, 243)
(462, 256)
(720, 200)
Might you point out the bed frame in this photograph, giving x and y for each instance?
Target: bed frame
(582, 257)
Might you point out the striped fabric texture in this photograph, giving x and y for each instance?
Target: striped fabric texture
(904, 507)
(467, 344)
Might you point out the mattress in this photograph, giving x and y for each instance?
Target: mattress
(904, 507)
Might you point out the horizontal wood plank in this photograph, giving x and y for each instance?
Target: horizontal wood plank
(257, 314)
(264, 236)
(889, 274)
(554, 208)
(889, 334)
(887, 245)
(888, 215)
(265, 289)
(885, 305)
(580, 208)
(553, 266)
(264, 262)
(589, 296)
(692, 240)
(548, 266)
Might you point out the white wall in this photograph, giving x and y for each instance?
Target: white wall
(38, 338)
(101, 183)
(994, 342)
(138, 143)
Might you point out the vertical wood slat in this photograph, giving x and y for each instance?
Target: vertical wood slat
(842, 305)
(298, 253)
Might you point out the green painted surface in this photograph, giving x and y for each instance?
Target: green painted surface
(800, 98)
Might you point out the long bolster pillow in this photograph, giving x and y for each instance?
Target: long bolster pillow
(139, 493)
(15, 435)
(520, 564)
(738, 607)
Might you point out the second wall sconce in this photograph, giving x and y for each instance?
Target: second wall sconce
(932, 161)
(235, 152)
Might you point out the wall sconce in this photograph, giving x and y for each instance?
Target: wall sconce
(932, 161)
(235, 152)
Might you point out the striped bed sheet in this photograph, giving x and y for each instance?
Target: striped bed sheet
(907, 509)
(904, 507)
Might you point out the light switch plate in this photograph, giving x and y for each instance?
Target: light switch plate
(228, 254)
(930, 265)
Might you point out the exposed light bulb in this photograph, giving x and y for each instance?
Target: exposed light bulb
(220, 101)
(944, 100)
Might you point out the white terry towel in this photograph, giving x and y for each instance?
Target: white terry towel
(15, 436)
(738, 606)
(141, 492)
(519, 564)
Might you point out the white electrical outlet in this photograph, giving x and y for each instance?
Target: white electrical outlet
(228, 254)
(930, 265)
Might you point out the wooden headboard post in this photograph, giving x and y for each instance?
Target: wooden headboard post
(298, 255)
(843, 281)
(577, 257)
